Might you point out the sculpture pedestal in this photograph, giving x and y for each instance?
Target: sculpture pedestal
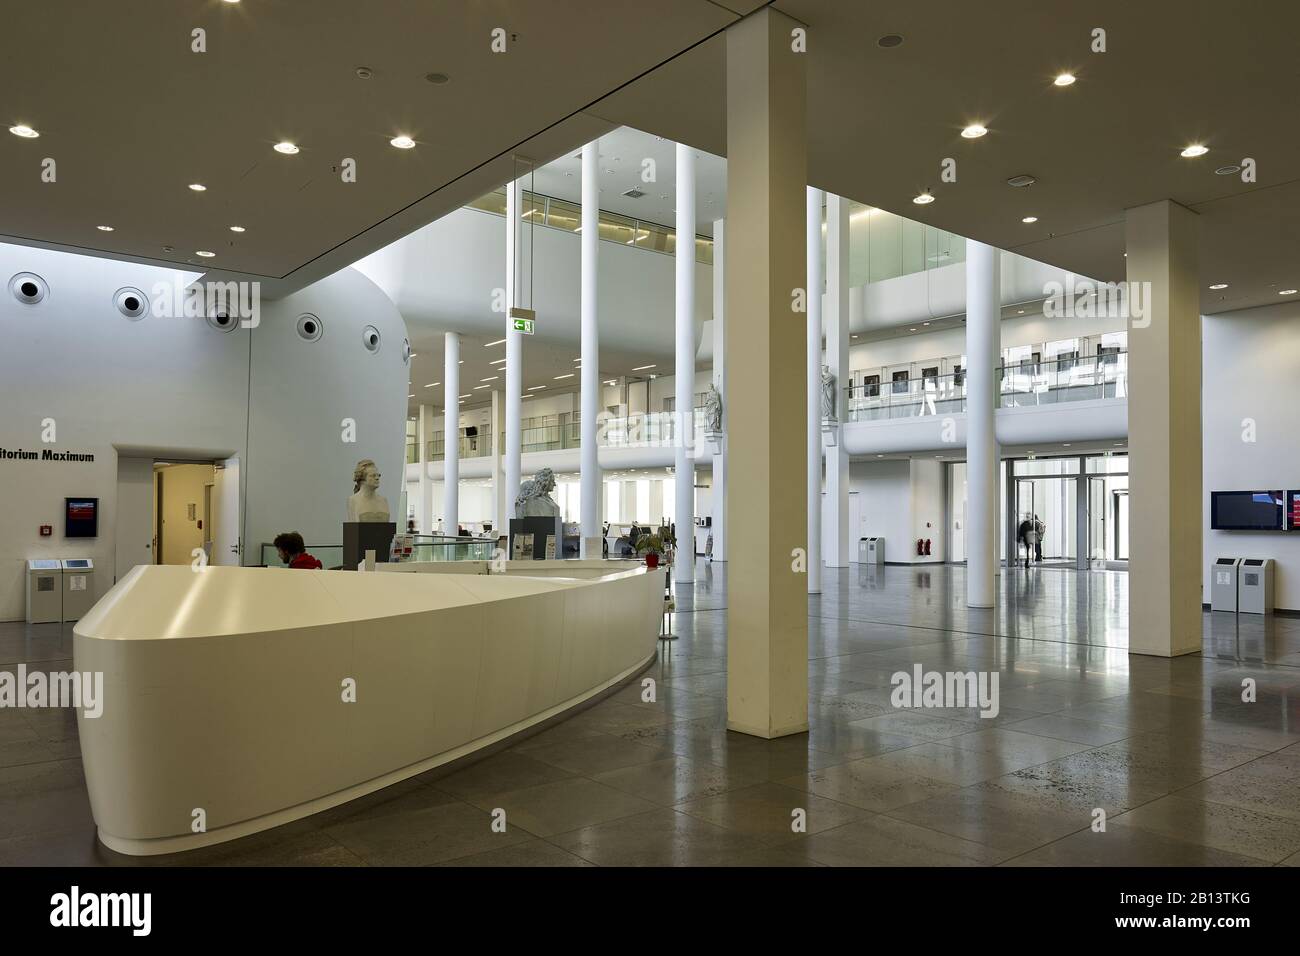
(362, 536)
(540, 529)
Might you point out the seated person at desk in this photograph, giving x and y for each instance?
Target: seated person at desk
(294, 553)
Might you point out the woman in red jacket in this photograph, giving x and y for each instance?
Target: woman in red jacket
(293, 552)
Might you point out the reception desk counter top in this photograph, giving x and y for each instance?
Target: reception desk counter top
(236, 699)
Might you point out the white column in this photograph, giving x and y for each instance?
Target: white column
(502, 499)
(589, 471)
(836, 321)
(983, 336)
(718, 500)
(813, 233)
(684, 404)
(514, 361)
(424, 513)
(451, 432)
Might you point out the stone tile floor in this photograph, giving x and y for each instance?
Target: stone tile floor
(1185, 771)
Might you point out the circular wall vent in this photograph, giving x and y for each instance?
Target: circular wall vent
(131, 302)
(406, 351)
(370, 338)
(222, 321)
(310, 328)
(28, 288)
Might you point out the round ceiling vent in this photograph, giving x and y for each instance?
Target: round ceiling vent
(406, 351)
(890, 40)
(370, 338)
(28, 288)
(222, 321)
(131, 302)
(1229, 170)
(310, 328)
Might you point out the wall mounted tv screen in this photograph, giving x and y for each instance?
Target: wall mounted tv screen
(1248, 510)
(1293, 505)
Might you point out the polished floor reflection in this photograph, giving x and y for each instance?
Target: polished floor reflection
(1095, 757)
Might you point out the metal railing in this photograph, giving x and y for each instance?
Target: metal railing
(1021, 384)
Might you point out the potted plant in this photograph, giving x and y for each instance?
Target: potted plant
(652, 546)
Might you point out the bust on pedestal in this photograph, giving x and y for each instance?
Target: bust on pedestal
(536, 513)
(368, 527)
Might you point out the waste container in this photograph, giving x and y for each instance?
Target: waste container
(1223, 584)
(44, 595)
(871, 551)
(1255, 586)
(78, 587)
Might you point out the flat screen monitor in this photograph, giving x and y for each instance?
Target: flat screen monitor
(1293, 509)
(80, 517)
(1258, 510)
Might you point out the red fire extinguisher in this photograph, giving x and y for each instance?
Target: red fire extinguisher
(927, 547)
(920, 547)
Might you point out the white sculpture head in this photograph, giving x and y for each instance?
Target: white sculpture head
(366, 474)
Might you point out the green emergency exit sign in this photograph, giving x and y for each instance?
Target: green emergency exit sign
(523, 325)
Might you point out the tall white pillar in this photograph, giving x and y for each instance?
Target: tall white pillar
(836, 321)
(451, 432)
(502, 499)
(424, 514)
(514, 359)
(813, 234)
(767, 597)
(684, 403)
(718, 500)
(983, 338)
(1164, 430)
(589, 471)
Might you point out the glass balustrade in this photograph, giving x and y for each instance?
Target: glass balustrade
(1022, 384)
(425, 547)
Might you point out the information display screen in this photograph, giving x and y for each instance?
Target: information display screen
(1293, 497)
(1248, 510)
(81, 517)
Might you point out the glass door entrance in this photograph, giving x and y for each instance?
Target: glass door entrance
(1108, 513)
(1046, 506)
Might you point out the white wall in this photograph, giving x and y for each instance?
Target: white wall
(1250, 372)
(897, 498)
(177, 387)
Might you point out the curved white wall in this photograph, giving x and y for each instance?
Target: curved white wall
(175, 384)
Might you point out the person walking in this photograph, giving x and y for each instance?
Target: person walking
(1031, 541)
(1040, 531)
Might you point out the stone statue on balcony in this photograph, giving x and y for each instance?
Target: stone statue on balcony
(830, 403)
(713, 411)
(534, 499)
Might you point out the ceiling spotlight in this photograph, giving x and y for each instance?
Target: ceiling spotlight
(104, 228)
(569, 375)
(237, 229)
(1196, 149)
(923, 199)
(205, 254)
(26, 132)
(364, 72)
(402, 142)
(437, 79)
(1287, 292)
(198, 187)
(890, 40)
(1230, 170)
(973, 132)
(287, 148)
(1029, 219)
(1064, 79)
(1219, 285)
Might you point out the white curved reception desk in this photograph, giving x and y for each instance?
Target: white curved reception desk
(238, 699)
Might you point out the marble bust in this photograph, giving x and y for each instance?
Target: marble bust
(534, 499)
(366, 504)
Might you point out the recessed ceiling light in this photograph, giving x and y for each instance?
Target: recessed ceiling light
(104, 228)
(1063, 79)
(237, 229)
(205, 254)
(1287, 292)
(432, 384)
(533, 388)
(642, 368)
(1196, 149)
(923, 199)
(465, 396)
(198, 187)
(492, 379)
(488, 345)
(364, 72)
(1230, 170)
(287, 148)
(911, 330)
(402, 142)
(437, 79)
(496, 361)
(569, 375)
(1219, 285)
(1020, 311)
(890, 40)
(975, 131)
(1029, 219)
(26, 132)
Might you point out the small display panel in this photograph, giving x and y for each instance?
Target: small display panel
(1293, 499)
(81, 517)
(1248, 510)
